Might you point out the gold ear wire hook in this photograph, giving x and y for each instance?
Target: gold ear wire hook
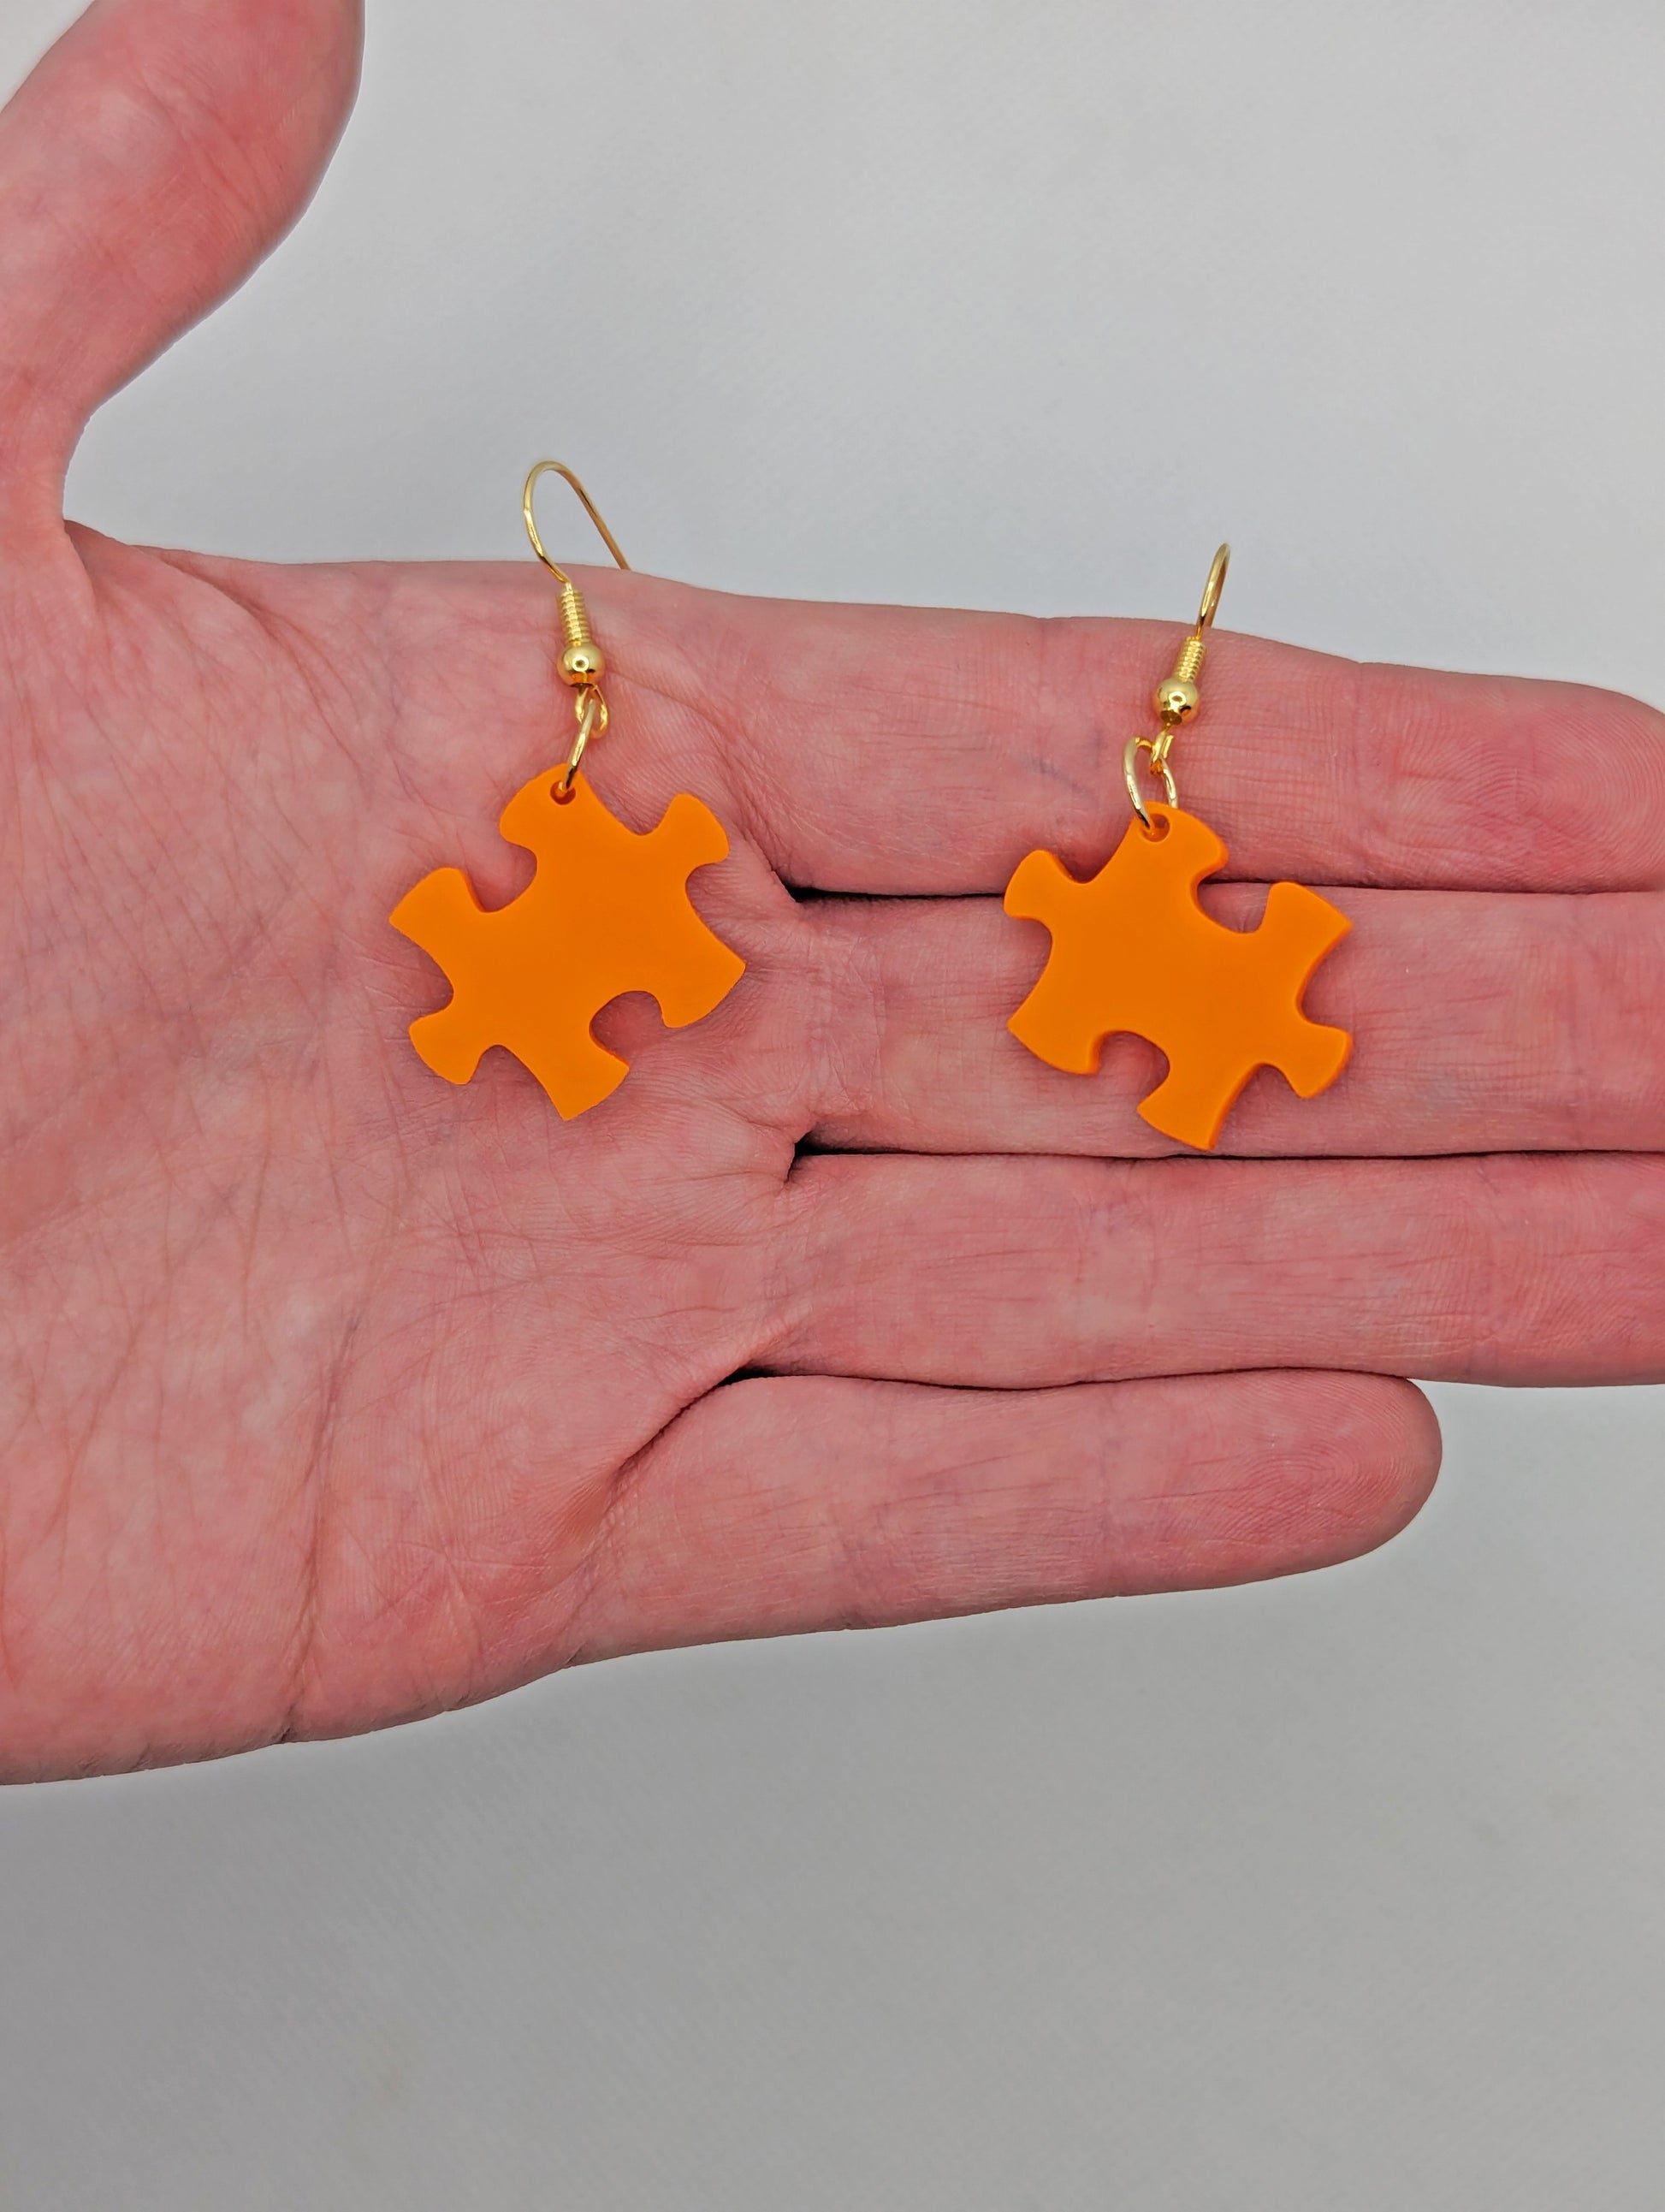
(582, 663)
(560, 469)
(1213, 588)
(1176, 698)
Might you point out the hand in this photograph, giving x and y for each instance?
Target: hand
(336, 1394)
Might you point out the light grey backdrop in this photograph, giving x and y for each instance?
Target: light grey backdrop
(1345, 1892)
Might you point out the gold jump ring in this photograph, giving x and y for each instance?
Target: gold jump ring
(1159, 766)
(591, 709)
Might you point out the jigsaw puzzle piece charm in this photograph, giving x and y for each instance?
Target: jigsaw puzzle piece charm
(607, 912)
(1133, 950)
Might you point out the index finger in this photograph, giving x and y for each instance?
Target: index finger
(911, 751)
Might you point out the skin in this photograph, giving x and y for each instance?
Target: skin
(333, 1395)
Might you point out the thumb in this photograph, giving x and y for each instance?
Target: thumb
(158, 152)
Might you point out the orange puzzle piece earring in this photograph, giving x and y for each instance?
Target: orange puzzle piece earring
(1133, 950)
(607, 912)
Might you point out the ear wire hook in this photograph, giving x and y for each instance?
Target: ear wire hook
(1176, 698)
(582, 663)
(527, 497)
(1213, 587)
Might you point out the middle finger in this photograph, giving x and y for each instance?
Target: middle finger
(1482, 1022)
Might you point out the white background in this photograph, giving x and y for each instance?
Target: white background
(1345, 1893)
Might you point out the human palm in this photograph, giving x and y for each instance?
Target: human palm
(338, 1395)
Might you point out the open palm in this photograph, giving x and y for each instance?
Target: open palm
(335, 1394)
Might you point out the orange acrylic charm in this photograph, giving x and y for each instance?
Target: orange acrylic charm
(1133, 950)
(607, 912)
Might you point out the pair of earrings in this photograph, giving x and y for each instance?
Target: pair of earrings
(608, 912)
